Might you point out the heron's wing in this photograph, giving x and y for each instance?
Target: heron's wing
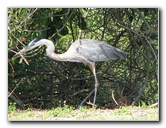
(94, 50)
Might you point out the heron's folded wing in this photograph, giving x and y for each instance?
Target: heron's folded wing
(99, 51)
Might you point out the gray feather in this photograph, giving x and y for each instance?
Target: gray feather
(94, 50)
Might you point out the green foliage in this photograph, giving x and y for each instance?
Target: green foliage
(45, 83)
(12, 107)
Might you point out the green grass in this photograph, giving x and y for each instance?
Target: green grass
(68, 113)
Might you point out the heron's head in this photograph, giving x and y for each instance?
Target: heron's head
(33, 44)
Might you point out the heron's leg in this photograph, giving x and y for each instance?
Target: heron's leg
(92, 67)
(96, 86)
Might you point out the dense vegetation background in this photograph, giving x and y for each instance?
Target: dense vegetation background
(46, 83)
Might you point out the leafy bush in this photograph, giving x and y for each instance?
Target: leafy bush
(45, 83)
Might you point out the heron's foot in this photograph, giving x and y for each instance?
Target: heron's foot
(87, 97)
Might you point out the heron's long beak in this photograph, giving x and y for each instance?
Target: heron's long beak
(21, 52)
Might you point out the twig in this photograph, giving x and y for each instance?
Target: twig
(13, 72)
(15, 88)
(114, 98)
(12, 51)
(14, 97)
(83, 90)
(17, 100)
(153, 105)
(24, 59)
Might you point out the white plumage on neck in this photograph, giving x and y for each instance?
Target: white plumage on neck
(50, 51)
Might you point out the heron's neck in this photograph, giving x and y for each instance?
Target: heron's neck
(50, 53)
(58, 57)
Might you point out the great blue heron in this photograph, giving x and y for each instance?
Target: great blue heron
(86, 51)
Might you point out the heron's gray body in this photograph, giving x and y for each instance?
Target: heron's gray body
(86, 50)
(82, 50)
